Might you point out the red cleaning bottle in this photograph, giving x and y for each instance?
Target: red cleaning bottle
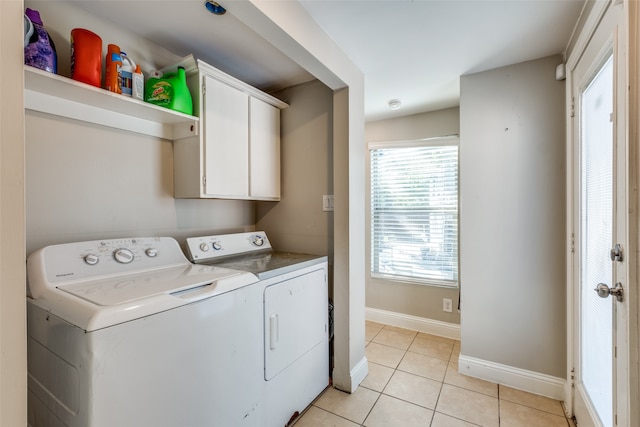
(86, 57)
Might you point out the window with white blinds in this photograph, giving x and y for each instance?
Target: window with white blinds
(414, 211)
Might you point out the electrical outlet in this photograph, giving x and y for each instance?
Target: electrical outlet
(447, 305)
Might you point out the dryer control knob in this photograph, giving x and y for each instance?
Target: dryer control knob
(151, 252)
(257, 240)
(91, 259)
(123, 256)
(204, 247)
(216, 246)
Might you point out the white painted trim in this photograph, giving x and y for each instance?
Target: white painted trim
(415, 323)
(356, 376)
(521, 379)
(358, 373)
(584, 405)
(590, 25)
(582, 39)
(439, 141)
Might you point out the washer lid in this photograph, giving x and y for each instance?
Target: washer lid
(98, 304)
(124, 289)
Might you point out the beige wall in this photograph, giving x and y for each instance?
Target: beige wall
(297, 223)
(13, 339)
(512, 221)
(86, 182)
(416, 126)
(406, 298)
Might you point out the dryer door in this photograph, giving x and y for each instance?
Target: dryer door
(295, 320)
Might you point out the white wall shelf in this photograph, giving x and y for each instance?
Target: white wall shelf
(53, 94)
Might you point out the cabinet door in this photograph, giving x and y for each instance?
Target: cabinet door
(226, 140)
(264, 150)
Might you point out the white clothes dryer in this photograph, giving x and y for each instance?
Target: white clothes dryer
(294, 317)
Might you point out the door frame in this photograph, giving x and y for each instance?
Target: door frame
(632, 15)
(629, 59)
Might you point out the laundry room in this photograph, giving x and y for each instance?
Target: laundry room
(114, 181)
(87, 181)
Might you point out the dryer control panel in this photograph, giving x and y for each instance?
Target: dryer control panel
(226, 245)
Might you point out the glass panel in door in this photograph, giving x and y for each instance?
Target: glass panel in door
(596, 237)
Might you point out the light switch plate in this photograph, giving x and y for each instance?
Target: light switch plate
(327, 203)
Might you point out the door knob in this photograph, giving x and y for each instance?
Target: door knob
(604, 291)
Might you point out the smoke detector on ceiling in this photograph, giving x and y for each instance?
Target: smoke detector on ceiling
(394, 104)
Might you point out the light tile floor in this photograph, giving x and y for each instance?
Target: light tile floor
(414, 381)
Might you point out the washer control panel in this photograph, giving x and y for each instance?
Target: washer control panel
(125, 251)
(225, 245)
(99, 258)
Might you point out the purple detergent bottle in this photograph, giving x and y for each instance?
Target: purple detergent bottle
(40, 52)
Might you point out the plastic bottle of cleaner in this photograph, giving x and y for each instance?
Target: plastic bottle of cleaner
(126, 74)
(86, 57)
(40, 52)
(137, 91)
(112, 69)
(28, 30)
(170, 91)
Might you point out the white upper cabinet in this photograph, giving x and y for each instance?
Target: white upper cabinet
(237, 152)
(264, 150)
(226, 134)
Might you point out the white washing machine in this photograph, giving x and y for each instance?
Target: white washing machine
(294, 317)
(128, 332)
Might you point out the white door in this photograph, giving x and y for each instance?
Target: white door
(598, 224)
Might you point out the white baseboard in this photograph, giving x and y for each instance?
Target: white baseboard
(521, 379)
(356, 376)
(359, 372)
(415, 323)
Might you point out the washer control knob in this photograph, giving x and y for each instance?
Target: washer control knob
(257, 240)
(204, 247)
(151, 252)
(91, 259)
(216, 246)
(123, 256)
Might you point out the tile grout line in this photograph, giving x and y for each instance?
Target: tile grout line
(435, 406)
(332, 413)
(380, 393)
(433, 412)
(395, 370)
(499, 406)
(371, 410)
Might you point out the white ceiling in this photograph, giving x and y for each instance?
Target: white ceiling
(414, 51)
